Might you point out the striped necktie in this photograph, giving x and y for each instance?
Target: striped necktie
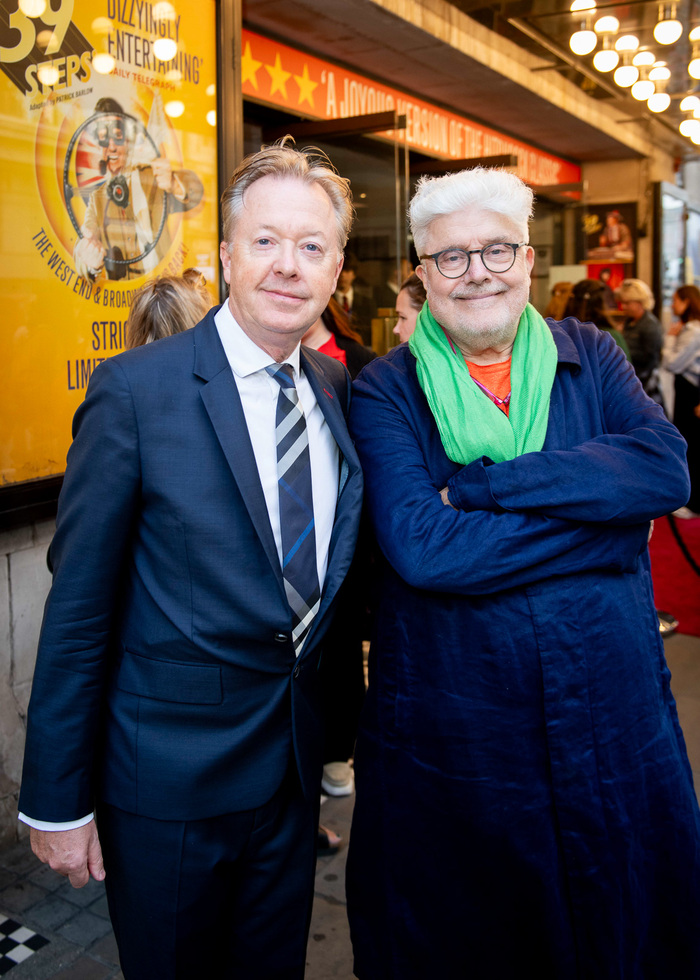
(296, 506)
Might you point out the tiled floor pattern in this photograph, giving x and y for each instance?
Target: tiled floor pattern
(75, 922)
(17, 943)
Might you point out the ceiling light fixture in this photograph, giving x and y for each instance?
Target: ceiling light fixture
(584, 40)
(668, 29)
(582, 5)
(689, 103)
(627, 74)
(643, 58)
(689, 126)
(607, 25)
(627, 42)
(694, 66)
(659, 101)
(606, 58)
(644, 88)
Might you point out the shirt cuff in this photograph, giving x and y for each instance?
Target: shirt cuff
(50, 825)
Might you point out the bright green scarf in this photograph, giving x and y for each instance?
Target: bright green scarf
(470, 425)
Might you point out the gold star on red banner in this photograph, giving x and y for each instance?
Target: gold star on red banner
(249, 67)
(278, 77)
(306, 87)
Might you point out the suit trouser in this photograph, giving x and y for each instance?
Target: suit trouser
(225, 897)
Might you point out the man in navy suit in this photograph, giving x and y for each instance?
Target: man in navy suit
(175, 695)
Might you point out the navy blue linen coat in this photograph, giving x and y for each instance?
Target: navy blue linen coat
(525, 805)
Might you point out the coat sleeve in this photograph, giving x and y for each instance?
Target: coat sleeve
(478, 551)
(633, 472)
(96, 512)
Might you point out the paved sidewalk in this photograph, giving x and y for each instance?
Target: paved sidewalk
(81, 944)
(80, 941)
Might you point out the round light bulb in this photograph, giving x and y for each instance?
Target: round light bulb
(694, 35)
(643, 58)
(694, 68)
(627, 42)
(606, 60)
(174, 108)
(659, 101)
(668, 31)
(642, 90)
(607, 25)
(104, 63)
(164, 11)
(48, 75)
(689, 126)
(32, 8)
(211, 117)
(689, 102)
(626, 75)
(695, 137)
(582, 5)
(165, 49)
(659, 74)
(583, 42)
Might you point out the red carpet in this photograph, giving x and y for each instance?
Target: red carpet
(676, 585)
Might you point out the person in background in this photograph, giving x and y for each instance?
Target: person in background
(342, 671)
(681, 356)
(354, 299)
(558, 300)
(409, 303)
(385, 295)
(332, 334)
(586, 304)
(524, 802)
(165, 306)
(643, 333)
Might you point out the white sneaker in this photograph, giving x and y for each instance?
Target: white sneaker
(338, 779)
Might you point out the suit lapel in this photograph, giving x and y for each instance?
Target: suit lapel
(223, 404)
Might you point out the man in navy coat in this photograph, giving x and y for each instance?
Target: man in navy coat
(174, 695)
(525, 805)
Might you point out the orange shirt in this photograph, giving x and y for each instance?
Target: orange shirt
(495, 377)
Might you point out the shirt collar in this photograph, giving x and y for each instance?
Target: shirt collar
(243, 354)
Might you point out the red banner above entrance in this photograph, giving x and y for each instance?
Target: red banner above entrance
(275, 74)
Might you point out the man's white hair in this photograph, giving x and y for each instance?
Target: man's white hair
(490, 188)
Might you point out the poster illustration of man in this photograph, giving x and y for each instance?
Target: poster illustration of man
(133, 188)
(610, 233)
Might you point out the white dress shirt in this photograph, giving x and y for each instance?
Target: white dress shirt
(259, 393)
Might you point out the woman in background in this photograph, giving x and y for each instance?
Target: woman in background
(586, 302)
(681, 356)
(167, 305)
(409, 303)
(332, 334)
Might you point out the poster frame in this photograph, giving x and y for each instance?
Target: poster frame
(27, 502)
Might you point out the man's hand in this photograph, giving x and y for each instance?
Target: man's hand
(163, 172)
(89, 256)
(444, 496)
(75, 854)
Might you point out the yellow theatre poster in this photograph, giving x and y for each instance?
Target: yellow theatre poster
(108, 161)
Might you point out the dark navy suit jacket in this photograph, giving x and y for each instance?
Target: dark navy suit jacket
(166, 682)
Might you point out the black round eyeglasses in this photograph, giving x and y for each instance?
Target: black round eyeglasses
(454, 262)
